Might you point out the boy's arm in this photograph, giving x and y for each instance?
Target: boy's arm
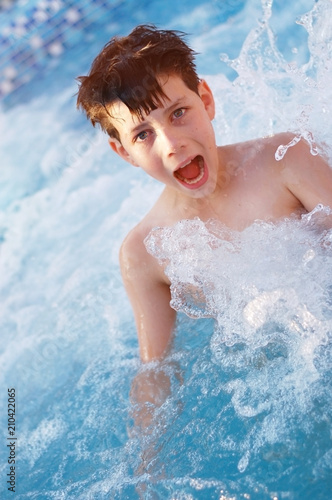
(149, 295)
(308, 177)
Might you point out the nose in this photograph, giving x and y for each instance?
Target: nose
(172, 141)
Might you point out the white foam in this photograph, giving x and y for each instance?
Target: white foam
(34, 442)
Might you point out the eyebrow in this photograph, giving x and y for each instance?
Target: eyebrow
(178, 103)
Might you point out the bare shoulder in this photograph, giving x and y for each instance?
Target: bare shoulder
(297, 162)
(271, 148)
(291, 151)
(288, 155)
(306, 174)
(290, 178)
(133, 250)
(135, 261)
(259, 150)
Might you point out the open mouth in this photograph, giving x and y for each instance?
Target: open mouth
(191, 173)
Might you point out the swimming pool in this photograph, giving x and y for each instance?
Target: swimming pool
(251, 418)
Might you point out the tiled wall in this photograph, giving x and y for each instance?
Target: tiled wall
(33, 32)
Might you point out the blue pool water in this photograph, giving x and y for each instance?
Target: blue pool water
(249, 414)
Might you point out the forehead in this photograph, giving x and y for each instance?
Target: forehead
(175, 91)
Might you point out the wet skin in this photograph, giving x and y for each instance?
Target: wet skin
(235, 184)
(174, 144)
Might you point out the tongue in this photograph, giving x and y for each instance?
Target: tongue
(191, 170)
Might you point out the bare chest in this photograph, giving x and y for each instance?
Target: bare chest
(252, 196)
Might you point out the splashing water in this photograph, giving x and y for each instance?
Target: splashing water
(265, 373)
(261, 387)
(271, 94)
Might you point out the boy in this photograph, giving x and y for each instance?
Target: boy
(144, 91)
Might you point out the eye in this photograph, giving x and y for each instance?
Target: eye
(178, 113)
(142, 136)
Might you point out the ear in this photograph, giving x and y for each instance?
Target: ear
(121, 151)
(207, 97)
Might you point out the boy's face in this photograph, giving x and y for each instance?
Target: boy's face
(174, 143)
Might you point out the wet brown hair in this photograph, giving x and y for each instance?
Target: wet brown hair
(127, 69)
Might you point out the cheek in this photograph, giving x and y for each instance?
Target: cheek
(135, 153)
